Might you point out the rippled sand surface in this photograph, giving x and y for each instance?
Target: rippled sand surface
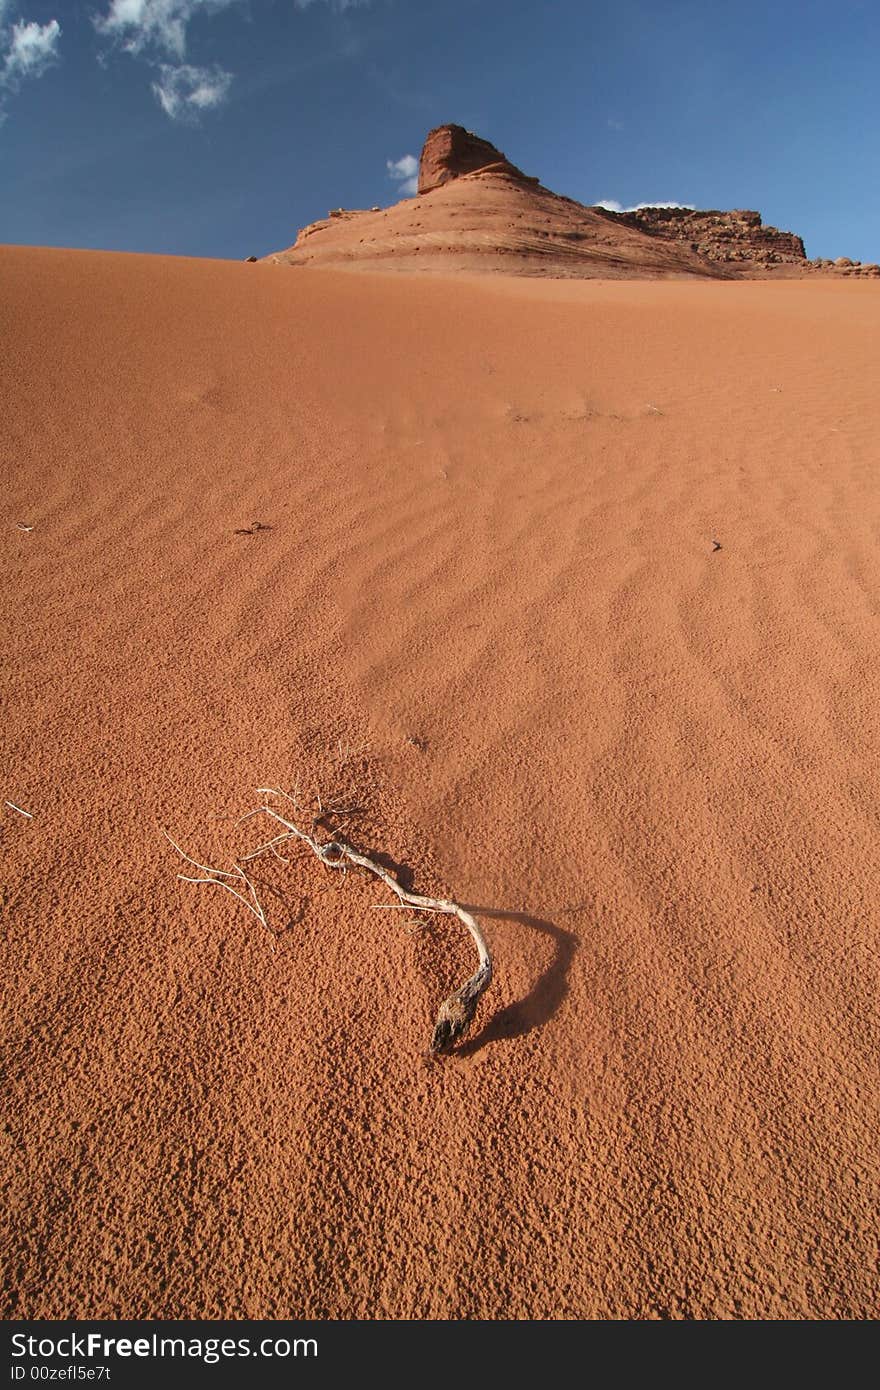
(566, 595)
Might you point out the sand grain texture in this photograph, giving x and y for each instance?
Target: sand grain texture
(484, 604)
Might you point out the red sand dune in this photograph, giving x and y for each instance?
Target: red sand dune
(485, 609)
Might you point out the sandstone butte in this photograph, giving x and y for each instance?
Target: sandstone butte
(476, 211)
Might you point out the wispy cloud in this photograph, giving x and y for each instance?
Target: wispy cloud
(184, 91)
(157, 25)
(406, 172)
(157, 31)
(612, 205)
(27, 49)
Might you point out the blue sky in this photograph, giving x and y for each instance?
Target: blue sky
(219, 127)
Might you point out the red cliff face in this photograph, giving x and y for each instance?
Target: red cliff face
(450, 151)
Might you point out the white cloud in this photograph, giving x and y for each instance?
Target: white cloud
(154, 24)
(157, 31)
(406, 172)
(612, 205)
(28, 49)
(184, 91)
(403, 168)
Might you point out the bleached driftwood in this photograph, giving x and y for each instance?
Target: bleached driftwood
(455, 1013)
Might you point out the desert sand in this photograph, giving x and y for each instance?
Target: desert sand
(567, 590)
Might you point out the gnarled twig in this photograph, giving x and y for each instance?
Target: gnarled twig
(455, 1013)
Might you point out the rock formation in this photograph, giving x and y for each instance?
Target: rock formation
(475, 211)
(735, 238)
(450, 151)
(478, 212)
(866, 270)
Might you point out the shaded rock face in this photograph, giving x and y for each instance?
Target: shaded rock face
(450, 151)
(737, 237)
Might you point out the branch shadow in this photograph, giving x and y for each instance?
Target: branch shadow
(330, 821)
(293, 916)
(546, 994)
(519, 1018)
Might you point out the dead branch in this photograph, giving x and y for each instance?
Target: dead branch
(217, 877)
(455, 1013)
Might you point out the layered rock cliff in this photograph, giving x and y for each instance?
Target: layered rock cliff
(476, 211)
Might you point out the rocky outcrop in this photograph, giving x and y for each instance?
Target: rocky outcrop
(737, 239)
(478, 212)
(490, 221)
(450, 151)
(865, 270)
